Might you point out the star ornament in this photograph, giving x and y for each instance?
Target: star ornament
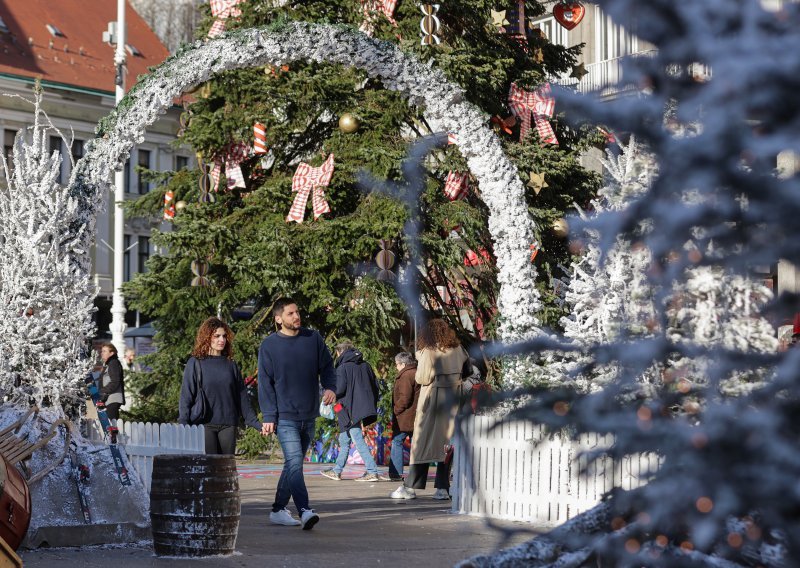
(537, 182)
(579, 71)
(499, 19)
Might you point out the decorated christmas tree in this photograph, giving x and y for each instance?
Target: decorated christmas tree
(275, 208)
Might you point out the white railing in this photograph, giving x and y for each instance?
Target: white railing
(516, 471)
(143, 440)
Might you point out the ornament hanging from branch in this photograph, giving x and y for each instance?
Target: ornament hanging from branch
(569, 13)
(579, 71)
(222, 10)
(169, 206)
(385, 261)
(541, 104)
(499, 20)
(348, 123)
(517, 24)
(560, 228)
(200, 269)
(429, 24)
(536, 182)
(231, 157)
(305, 180)
(456, 185)
(204, 181)
(259, 138)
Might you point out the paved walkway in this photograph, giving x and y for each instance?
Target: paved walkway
(359, 526)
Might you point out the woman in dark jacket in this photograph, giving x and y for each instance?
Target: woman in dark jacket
(112, 385)
(212, 369)
(404, 407)
(357, 396)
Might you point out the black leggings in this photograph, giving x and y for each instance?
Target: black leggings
(112, 410)
(220, 439)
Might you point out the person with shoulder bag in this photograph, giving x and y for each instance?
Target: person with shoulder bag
(213, 392)
(441, 364)
(112, 385)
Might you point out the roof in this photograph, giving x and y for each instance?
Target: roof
(77, 57)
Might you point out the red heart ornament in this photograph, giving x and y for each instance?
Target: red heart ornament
(569, 14)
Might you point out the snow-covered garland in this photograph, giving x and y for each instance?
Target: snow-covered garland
(445, 109)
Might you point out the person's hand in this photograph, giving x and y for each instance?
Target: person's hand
(267, 428)
(328, 396)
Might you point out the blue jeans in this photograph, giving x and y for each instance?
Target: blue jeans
(357, 436)
(396, 463)
(295, 437)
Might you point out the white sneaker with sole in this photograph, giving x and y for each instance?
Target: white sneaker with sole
(403, 492)
(441, 495)
(283, 517)
(309, 518)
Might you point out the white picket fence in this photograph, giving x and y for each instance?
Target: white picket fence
(518, 472)
(143, 440)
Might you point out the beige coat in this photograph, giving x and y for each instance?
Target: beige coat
(439, 373)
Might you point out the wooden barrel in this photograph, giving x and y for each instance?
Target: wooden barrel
(15, 505)
(194, 505)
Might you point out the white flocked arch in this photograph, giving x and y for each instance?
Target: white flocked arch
(444, 105)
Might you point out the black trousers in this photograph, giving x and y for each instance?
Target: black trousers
(112, 410)
(417, 476)
(220, 439)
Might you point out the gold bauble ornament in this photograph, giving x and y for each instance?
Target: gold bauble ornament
(560, 228)
(180, 205)
(348, 123)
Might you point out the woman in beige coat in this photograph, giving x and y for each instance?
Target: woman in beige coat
(441, 363)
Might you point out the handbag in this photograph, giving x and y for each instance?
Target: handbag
(326, 411)
(200, 412)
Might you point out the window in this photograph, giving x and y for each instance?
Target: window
(8, 148)
(144, 252)
(126, 259)
(181, 163)
(144, 162)
(77, 150)
(131, 49)
(127, 171)
(55, 146)
(3, 26)
(54, 31)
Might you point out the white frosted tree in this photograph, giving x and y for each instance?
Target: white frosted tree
(46, 295)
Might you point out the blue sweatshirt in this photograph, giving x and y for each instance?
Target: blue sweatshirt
(224, 389)
(290, 370)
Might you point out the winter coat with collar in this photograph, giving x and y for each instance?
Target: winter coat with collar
(356, 390)
(439, 371)
(404, 400)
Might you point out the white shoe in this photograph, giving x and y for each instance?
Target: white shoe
(441, 495)
(283, 517)
(403, 492)
(309, 518)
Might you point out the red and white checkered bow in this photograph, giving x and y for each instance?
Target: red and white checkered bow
(231, 158)
(385, 6)
(456, 185)
(541, 104)
(305, 179)
(222, 10)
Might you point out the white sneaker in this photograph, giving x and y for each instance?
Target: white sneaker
(309, 518)
(283, 517)
(441, 495)
(403, 492)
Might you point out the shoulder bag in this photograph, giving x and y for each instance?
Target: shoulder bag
(200, 412)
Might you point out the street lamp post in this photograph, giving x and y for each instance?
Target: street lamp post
(118, 301)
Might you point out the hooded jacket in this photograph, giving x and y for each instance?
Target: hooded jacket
(356, 390)
(404, 400)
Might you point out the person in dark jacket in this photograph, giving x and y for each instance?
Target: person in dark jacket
(112, 385)
(404, 407)
(211, 367)
(357, 396)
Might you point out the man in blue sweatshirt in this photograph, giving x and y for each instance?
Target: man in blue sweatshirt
(292, 362)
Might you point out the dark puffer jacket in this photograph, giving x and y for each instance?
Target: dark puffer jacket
(356, 390)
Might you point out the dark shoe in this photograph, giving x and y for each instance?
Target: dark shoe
(396, 478)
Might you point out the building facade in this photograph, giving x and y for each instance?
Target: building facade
(60, 44)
